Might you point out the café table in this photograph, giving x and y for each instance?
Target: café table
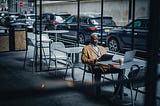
(71, 51)
(56, 32)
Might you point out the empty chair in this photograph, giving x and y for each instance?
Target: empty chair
(74, 64)
(35, 42)
(136, 79)
(29, 43)
(56, 55)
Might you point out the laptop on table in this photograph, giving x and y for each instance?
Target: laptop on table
(128, 57)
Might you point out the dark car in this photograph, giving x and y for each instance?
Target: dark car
(7, 18)
(120, 39)
(64, 15)
(3, 14)
(28, 19)
(89, 23)
(51, 19)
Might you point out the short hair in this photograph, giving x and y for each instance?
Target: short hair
(93, 35)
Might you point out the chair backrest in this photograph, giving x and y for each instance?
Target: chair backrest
(57, 45)
(88, 68)
(137, 73)
(29, 42)
(44, 38)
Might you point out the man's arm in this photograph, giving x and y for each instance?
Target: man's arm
(86, 56)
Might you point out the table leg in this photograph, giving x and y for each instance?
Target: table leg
(56, 37)
(121, 85)
(98, 86)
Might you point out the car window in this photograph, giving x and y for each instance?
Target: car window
(139, 24)
(84, 20)
(106, 21)
(4, 14)
(21, 17)
(31, 17)
(71, 19)
(51, 17)
(59, 19)
(95, 21)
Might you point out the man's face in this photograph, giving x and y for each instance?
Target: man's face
(94, 39)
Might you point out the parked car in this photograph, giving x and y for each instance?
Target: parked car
(89, 23)
(64, 15)
(51, 19)
(3, 14)
(7, 18)
(120, 39)
(28, 19)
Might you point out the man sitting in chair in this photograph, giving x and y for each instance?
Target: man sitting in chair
(91, 54)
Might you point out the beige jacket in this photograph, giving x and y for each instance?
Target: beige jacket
(89, 54)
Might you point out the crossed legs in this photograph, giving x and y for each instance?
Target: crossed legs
(98, 72)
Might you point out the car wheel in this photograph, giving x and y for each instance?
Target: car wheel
(113, 45)
(3, 21)
(81, 39)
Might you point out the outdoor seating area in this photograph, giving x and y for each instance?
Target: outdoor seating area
(79, 53)
(58, 60)
(47, 80)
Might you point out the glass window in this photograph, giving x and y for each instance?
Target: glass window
(106, 21)
(71, 20)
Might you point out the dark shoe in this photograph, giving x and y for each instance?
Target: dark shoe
(125, 94)
(118, 93)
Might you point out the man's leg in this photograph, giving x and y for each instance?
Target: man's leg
(119, 87)
(97, 72)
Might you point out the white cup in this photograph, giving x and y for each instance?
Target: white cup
(121, 61)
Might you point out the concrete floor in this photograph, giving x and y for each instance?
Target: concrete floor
(25, 87)
(21, 87)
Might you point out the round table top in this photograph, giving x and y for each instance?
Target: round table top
(56, 31)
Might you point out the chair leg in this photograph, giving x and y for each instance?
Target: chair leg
(93, 78)
(66, 71)
(104, 77)
(83, 77)
(45, 56)
(24, 64)
(34, 59)
(55, 67)
(49, 64)
(131, 89)
(136, 94)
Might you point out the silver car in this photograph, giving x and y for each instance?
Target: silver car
(28, 19)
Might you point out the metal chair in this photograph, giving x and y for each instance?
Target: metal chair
(29, 43)
(74, 60)
(35, 42)
(88, 69)
(56, 55)
(135, 78)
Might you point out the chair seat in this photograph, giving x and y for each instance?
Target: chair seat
(59, 55)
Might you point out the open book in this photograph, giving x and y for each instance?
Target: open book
(106, 57)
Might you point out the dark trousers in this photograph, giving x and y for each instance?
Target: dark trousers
(98, 72)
